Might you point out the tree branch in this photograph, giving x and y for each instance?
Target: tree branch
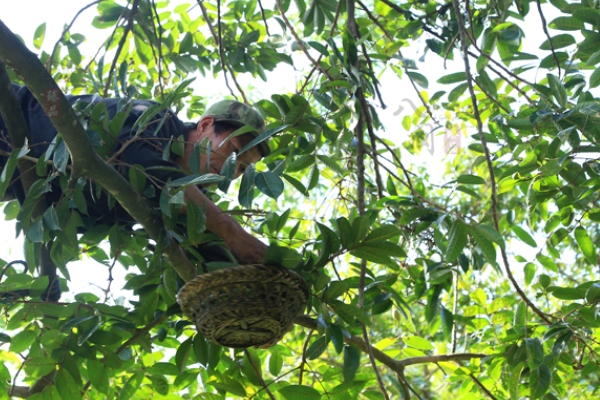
(85, 160)
(128, 28)
(488, 158)
(395, 365)
(300, 42)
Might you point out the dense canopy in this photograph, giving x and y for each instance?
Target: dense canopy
(481, 285)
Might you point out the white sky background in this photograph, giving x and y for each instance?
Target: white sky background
(24, 17)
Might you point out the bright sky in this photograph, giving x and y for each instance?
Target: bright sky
(25, 16)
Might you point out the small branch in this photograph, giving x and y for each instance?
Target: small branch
(395, 365)
(482, 139)
(62, 37)
(545, 28)
(331, 32)
(258, 375)
(264, 18)
(128, 28)
(217, 39)
(303, 362)
(158, 35)
(300, 42)
(482, 387)
(440, 358)
(455, 310)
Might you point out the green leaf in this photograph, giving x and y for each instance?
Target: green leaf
(22, 340)
(345, 233)
(417, 342)
(471, 180)
(558, 90)
(38, 36)
(535, 352)
(539, 381)
(586, 245)
(419, 79)
(7, 172)
(565, 293)
(300, 392)
(351, 362)
(547, 262)
(457, 240)
(66, 385)
(228, 171)
(160, 384)
(196, 222)
(349, 312)
(558, 42)
(317, 348)
(131, 386)
(485, 244)
(452, 78)
(98, 376)
(275, 362)
(269, 183)
(360, 227)
(39, 366)
(183, 352)
(200, 347)
(246, 193)
(566, 24)
(382, 233)
(595, 78)
(524, 236)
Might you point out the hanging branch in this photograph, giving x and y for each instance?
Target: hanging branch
(64, 32)
(128, 28)
(482, 139)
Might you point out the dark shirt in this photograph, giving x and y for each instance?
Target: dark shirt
(147, 150)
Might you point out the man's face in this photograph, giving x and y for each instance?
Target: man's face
(222, 148)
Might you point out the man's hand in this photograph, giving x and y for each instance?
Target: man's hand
(246, 248)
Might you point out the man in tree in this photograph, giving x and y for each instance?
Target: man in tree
(149, 148)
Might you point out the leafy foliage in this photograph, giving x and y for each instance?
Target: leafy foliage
(496, 267)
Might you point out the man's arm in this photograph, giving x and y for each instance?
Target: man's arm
(246, 248)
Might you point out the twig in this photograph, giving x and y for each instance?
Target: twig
(262, 14)
(454, 311)
(128, 28)
(258, 375)
(494, 199)
(218, 43)
(159, 42)
(364, 116)
(394, 365)
(300, 42)
(64, 32)
(482, 387)
(303, 362)
(331, 32)
(545, 28)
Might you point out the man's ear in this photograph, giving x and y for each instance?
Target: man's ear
(205, 123)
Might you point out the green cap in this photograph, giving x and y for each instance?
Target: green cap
(239, 114)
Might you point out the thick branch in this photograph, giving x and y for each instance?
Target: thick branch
(85, 160)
